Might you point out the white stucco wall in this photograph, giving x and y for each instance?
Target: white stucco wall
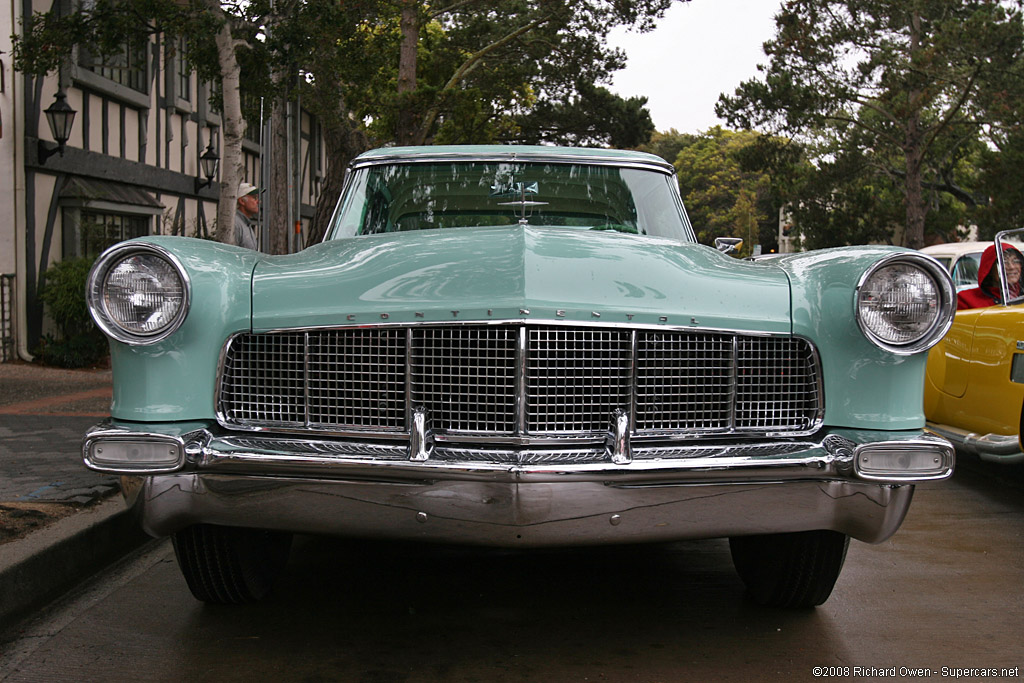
(12, 186)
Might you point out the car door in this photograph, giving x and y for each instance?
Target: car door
(974, 375)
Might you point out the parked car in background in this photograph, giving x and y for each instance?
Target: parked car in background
(974, 389)
(961, 258)
(518, 347)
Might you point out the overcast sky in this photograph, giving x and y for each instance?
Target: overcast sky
(700, 49)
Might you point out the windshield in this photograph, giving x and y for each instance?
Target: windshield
(427, 196)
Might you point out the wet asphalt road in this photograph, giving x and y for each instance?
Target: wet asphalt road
(945, 591)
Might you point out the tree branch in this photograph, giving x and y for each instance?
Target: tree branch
(471, 63)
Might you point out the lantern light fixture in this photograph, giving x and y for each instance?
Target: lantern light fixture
(60, 116)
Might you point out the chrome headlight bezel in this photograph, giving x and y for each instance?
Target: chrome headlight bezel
(95, 292)
(944, 303)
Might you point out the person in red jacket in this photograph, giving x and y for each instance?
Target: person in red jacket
(989, 290)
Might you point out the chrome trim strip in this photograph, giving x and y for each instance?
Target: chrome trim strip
(520, 382)
(515, 156)
(1004, 448)
(634, 386)
(409, 409)
(817, 460)
(830, 457)
(305, 370)
(551, 322)
(734, 383)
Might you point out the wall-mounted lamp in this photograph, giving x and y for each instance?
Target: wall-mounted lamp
(208, 165)
(60, 116)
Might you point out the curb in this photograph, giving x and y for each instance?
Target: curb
(40, 567)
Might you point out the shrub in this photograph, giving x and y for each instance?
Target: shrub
(79, 343)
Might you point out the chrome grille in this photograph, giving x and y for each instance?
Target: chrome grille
(513, 380)
(357, 380)
(776, 384)
(576, 378)
(264, 380)
(465, 377)
(684, 381)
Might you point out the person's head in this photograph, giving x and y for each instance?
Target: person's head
(988, 270)
(248, 199)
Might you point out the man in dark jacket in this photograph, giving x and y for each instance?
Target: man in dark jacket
(989, 290)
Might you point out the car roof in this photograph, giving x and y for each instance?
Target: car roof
(434, 153)
(955, 249)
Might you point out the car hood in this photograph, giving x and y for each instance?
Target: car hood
(517, 273)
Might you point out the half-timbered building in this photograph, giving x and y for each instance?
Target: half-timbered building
(131, 165)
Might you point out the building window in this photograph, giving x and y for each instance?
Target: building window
(88, 233)
(182, 73)
(253, 115)
(127, 68)
(213, 97)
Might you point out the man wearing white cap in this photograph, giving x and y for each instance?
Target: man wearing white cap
(245, 211)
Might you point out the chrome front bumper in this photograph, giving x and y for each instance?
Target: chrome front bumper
(859, 483)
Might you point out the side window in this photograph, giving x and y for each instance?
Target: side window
(965, 272)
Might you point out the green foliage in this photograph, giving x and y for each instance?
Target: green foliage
(507, 71)
(79, 342)
(724, 197)
(667, 145)
(49, 37)
(898, 93)
(622, 123)
(1000, 179)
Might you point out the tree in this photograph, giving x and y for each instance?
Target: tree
(723, 196)
(906, 86)
(530, 68)
(484, 71)
(668, 144)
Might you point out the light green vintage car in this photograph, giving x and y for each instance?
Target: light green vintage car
(519, 347)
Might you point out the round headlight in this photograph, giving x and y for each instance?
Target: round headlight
(904, 303)
(138, 293)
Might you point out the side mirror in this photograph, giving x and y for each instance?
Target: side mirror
(728, 245)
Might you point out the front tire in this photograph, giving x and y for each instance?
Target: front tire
(230, 565)
(790, 570)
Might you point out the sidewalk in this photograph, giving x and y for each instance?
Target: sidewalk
(59, 521)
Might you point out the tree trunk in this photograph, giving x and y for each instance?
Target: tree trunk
(406, 125)
(278, 184)
(916, 207)
(913, 149)
(231, 161)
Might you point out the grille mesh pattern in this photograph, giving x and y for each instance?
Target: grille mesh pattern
(264, 379)
(776, 384)
(573, 379)
(577, 377)
(465, 377)
(684, 381)
(357, 379)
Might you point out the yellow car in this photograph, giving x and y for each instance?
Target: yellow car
(974, 386)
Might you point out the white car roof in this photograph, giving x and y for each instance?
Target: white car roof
(954, 249)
